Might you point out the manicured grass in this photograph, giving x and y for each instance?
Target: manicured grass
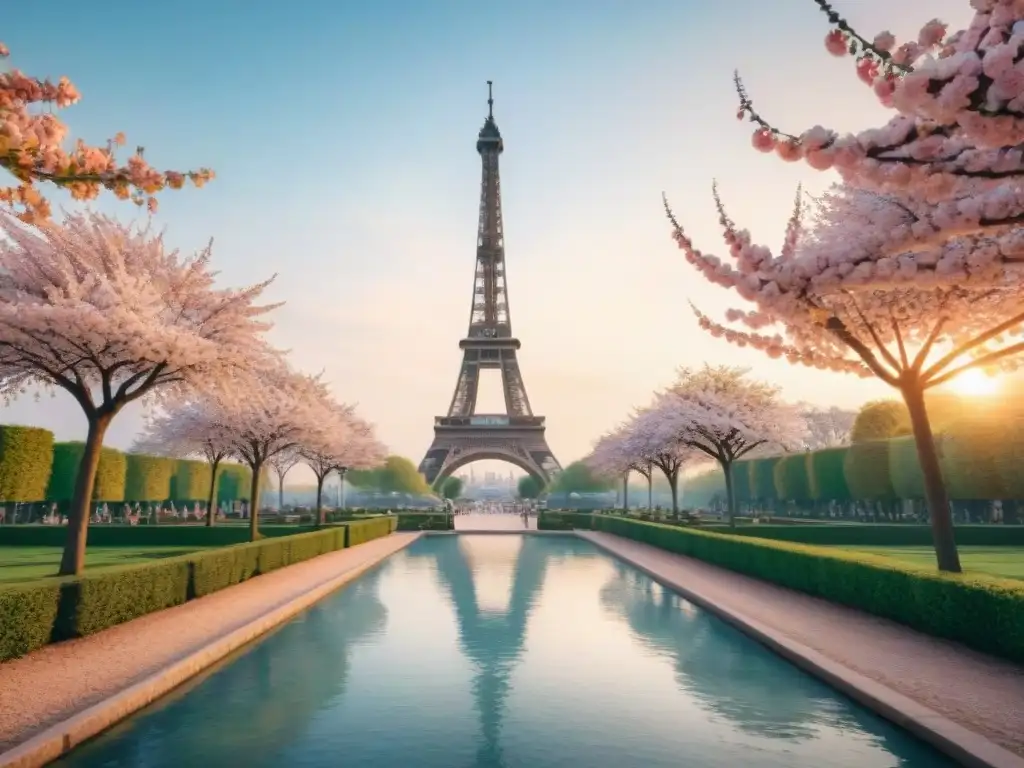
(29, 563)
(1006, 562)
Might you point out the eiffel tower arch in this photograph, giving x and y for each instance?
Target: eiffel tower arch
(464, 435)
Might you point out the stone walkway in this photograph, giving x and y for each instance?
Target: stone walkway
(58, 681)
(492, 522)
(978, 692)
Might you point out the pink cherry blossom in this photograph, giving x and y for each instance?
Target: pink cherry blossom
(904, 288)
(959, 100)
(188, 428)
(31, 149)
(836, 44)
(108, 314)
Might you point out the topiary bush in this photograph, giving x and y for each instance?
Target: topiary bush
(905, 468)
(969, 456)
(26, 458)
(190, 480)
(826, 476)
(866, 467)
(148, 478)
(762, 479)
(110, 475)
(1010, 460)
(234, 482)
(790, 478)
(741, 482)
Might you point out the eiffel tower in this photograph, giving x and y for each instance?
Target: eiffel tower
(465, 436)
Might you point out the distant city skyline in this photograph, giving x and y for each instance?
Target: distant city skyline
(343, 139)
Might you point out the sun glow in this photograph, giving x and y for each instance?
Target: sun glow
(974, 383)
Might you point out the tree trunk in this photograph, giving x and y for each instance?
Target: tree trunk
(673, 481)
(650, 490)
(210, 515)
(730, 498)
(321, 517)
(72, 562)
(625, 492)
(254, 501)
(934, 487)
(280, 493)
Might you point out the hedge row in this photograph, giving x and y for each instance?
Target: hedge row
(564, 521)
(37, 613)
(980, 459)
(143, 535)
(986, 614)
(35, 468)
(426, 521)
(881, 535)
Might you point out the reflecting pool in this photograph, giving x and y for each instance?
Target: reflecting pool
(501, 651)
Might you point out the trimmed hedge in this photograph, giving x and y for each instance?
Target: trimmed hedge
(866, 467)
(110, 475)
(986, 614)
(564, 521)
(905, 469)
(882, 535)
(50, 610)
(26, 458)
(234, 482)
(425, 521)
(190, 480)
(790, 478)
(147, 478)
(762, 478)
(1011, 458)
(826, 476)
(969, 453)
(741, 482)
(142, 535)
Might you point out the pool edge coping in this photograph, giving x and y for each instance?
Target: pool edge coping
(62, 737)
(953, 740)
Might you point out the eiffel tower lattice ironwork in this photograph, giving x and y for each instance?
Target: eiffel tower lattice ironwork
(464, 436)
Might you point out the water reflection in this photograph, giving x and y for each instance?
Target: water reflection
(492, 640)
(256, 703)
(728, 674)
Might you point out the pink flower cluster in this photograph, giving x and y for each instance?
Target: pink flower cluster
(960, 100)
(713, 413)
(31, 150)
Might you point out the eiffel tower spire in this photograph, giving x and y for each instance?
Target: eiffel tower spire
(517, 435)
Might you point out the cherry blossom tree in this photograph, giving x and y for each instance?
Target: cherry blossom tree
(189, 429)
(826, 427)
(287, 411)
(651, 440)
(610, 456)
(281, 464)
(721, 413)
(958, 99)
(31, 150)
(351, 445)
(108, 314)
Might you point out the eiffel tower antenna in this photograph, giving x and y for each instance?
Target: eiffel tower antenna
(465, 436)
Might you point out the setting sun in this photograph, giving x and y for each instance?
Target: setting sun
(974, 383)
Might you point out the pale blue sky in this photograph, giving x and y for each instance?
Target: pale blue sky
(343, 137)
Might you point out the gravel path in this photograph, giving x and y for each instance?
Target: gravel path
(60, 680)
(979, 692)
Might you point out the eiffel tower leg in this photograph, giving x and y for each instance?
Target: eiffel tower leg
(516, 401)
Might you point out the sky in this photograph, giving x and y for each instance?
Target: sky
(343, 137)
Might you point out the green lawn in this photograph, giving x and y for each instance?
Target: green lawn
(1007, 562)
(27, 563)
